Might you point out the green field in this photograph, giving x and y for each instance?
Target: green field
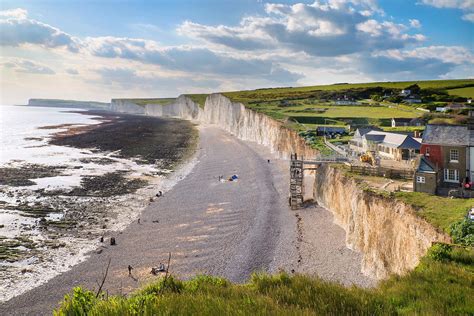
(463, 92)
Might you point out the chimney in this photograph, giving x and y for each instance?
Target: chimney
(470, 120)
(417, 134)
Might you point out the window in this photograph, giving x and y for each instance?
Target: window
(420, 179)
(454, 155)
(451, 175)
(427, 152)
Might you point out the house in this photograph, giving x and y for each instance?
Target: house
(413, 98)
(456, 106)
(330, 131)
(469, 101)
(387, 145)
(451, 107)
(451, 149)
(345, 101)
(426, 176)
(396, 122)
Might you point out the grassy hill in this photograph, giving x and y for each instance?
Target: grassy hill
(311, 101)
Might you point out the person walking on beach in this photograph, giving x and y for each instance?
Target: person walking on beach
(130, 270)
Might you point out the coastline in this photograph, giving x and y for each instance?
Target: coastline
(58, 247)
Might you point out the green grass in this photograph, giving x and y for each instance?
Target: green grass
(463, 92)
(198, 98)
(441, 285)
(404, 129)
(143, 102)
(437, 210)
(379, 112)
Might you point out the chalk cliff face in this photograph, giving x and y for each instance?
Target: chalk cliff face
(387, 232)
(183, 107)
(238, 120)
(125, 106)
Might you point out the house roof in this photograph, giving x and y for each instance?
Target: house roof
(426, 166)
(393, 140)
(451, 135)
(361, 131)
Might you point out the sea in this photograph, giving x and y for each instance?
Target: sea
(31, 254)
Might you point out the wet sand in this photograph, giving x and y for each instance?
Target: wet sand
(229, 229)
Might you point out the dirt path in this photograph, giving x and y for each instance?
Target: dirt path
(229, 229)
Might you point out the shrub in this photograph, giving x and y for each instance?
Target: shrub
(440, 252)
(463, 232)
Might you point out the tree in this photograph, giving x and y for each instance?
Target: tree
(414, 88)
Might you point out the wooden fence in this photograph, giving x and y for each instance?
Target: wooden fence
(383, 172)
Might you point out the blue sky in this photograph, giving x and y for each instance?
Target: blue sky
(103, 49)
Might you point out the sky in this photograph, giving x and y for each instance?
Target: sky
(98, 50)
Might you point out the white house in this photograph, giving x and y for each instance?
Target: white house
(387, 145)
(345, 101)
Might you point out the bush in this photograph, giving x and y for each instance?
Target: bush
(80, 302)
(440, 252)
(463, 232)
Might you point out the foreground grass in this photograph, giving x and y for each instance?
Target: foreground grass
(443, 284)
(440, 211)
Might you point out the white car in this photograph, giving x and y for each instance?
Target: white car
(471, 214)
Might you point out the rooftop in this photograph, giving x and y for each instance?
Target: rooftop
(394, 140)
(453, 135)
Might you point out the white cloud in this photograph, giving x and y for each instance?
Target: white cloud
(26, 66)
(468, 17)
(466, 5)
(72, 71)
(453, 4)
(420, 63)
(14, 13)
(415, 23)
(17, 30)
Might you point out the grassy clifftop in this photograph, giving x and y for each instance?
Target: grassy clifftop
(145, 101)
(441, 285)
